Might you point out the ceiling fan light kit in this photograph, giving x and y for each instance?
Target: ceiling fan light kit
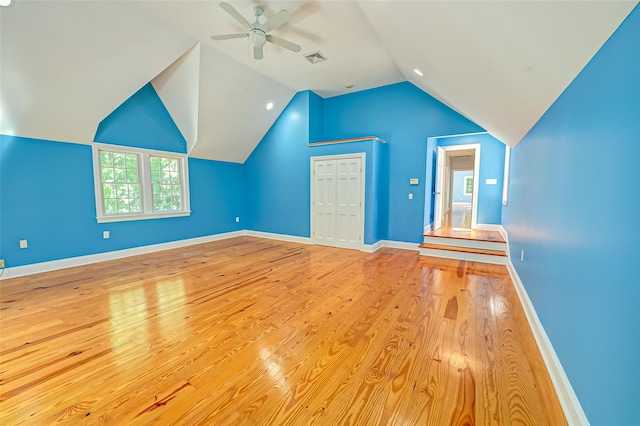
(258, 33)
(257, 37)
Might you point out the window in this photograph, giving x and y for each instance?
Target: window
(134, 184)
(468, 185)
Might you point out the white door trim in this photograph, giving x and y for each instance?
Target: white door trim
(476, 177)
(362, 156)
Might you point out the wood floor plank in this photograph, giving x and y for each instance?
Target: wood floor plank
(254, 331)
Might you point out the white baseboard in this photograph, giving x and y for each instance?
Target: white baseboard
(428, 228)
(54, 265)
(568, 399)
(280, 237)
(370, 248)
(400, 245)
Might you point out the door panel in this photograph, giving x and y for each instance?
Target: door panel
(348, 223)
(324, 197)
(337, 206)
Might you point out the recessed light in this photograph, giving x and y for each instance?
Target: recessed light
(269, 106)
(348, 86)
(417, 71)
(5, 2)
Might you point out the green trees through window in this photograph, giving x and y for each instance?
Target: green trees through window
(120, 182)
(136, 184)
(165, 183)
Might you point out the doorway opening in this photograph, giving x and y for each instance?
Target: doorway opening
(456, 187)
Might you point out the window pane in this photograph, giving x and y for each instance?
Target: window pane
(120, 188)
(155, 163)
(175, 178)
(119, 160)
(109, 190)
(107, 175)
(120, 175)
(106, 159)
(132, 161)
(132, 175)
(110, 206)
(123, 207)
(134, 192)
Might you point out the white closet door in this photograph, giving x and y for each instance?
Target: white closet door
(337, 201)
(349, 202)
(325, 201)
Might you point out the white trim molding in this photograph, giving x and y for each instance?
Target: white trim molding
(568, 399)
(54, 265)
(279, 237)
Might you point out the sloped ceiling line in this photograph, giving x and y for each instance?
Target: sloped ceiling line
(65, 65)
(179, 87)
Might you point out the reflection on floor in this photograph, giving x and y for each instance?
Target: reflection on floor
(458, 217)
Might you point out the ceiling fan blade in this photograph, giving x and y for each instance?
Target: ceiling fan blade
(277, 20)
(229, 36)
(257, 53)
(233, 12)
(284, 43)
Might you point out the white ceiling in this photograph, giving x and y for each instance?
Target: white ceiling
(65, 65)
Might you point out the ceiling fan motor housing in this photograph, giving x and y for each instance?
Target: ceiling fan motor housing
(258, 37)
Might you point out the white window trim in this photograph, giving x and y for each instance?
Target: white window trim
(145, 184)
(464, 189)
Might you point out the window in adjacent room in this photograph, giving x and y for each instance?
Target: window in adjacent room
(134, 184)
(468, 185)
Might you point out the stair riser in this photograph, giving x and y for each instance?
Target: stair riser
(457, 242)
(471, 257)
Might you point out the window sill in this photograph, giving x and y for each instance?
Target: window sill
(110, 219)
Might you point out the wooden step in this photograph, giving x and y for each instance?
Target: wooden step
(460, 242)
(467, 234)
(463, 249)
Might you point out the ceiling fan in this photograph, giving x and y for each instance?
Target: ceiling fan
(258, 33)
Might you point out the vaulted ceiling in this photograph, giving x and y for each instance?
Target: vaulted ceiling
(65, 65)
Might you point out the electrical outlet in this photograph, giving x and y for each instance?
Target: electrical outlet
(410, 196)
(23, 244)
(1, 263)
(105, 234)
(522, 256)
(237, 219)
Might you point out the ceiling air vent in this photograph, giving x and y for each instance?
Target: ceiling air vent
(315, 57)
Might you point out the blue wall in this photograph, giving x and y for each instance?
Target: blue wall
(492, 153)
(277, 172)
(574, 209)
(459, 186)
(142, 121)
(48, 194)
(404, 116)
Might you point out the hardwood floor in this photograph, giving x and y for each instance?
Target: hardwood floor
(459, 216)
(253, 331)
